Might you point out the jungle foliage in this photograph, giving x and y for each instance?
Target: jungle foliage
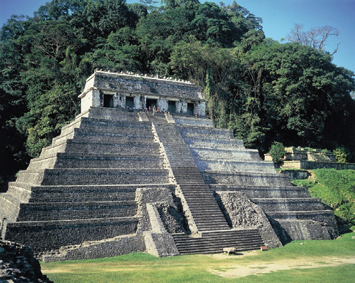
(263, 90)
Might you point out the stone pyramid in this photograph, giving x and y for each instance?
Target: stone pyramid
(118, 180)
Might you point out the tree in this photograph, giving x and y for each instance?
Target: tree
(315, 38)
(277, 152)
(300, 93)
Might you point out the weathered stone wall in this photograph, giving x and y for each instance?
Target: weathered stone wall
(302, 164)
(159, 217)
(98, 249)
(145, 85)
(162, 199)
(120, 86)
(17, 264)
(305, 229)
(296, 174)
(142, 85)
(241, 213)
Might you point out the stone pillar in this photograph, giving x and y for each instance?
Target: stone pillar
(123, 101)
(200, 108)
(143, 102)
(178, 106)
(184, 107)
(97, 101)
(163, 104)
(137, 102)
(116, 100)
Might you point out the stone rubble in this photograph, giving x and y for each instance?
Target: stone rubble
(17, 264)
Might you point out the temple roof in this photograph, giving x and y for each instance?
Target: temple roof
(142, 85)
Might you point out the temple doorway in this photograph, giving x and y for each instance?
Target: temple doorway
(129, 101)
(108, 100)
(190, 108)
(151, 103)
(172, 106)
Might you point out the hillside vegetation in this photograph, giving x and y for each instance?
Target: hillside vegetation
(263, 90)
(335, 188)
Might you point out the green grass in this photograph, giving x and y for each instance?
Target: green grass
(140, 267)
(336, 188)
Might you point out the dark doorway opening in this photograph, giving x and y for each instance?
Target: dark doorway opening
(190, 108)
(129, 101)
(108, 100)
(151, 103)
(172, 106)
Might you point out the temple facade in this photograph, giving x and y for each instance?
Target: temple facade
(121, 90)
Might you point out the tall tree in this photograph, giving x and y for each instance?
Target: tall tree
(315, 38)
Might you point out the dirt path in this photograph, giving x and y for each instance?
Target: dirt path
(261, 268)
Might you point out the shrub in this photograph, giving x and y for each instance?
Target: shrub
(277, 152)
(342, 155)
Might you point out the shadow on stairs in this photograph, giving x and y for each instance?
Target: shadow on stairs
(214, 241)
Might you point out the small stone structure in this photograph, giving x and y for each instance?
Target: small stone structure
(121, 90)
(120, 180)
(302, 158)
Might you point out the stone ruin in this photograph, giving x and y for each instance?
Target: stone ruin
(119, 179)
(17, 264)
(307, 159)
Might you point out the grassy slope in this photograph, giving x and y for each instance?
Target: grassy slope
(336, 188)
(200, 268)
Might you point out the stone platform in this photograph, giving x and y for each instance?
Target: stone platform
(117, 181)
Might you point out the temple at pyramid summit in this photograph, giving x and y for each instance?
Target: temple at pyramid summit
(123, 178)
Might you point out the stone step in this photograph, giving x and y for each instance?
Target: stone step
(225, 154)
(207, 209)
(200, 130)
(67, 129)
(249, 178)
(199, 199)
(52, 150)
(220, 136)
(123, 127)
(64, 160)
(290, 204)
(210, 224)
(118, 114)
(232, 144)
(122, 149)
(26, 193)
(324, 227)
(236, 166)
(208, 240)
(93, 176)
(264, 191)
(21, 191)
(192, 121)
(83, 136)
(78, 193)
(9, 207)
(317, 215)
(214, 242)
(76, 210)
(61, 139)
(68, 232)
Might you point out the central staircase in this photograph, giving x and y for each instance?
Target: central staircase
(210, 230)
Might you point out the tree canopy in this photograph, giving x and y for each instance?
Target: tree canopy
(265, 91)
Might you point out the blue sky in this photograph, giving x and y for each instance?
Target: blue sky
(279, 17)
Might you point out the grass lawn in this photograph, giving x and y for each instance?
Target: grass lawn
(299, 261)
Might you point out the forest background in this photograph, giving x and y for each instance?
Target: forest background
(264, 90)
